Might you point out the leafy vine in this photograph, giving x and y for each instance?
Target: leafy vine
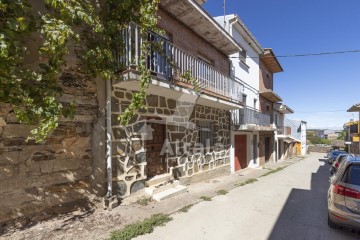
(34, 92)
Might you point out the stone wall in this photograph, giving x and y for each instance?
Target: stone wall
(38, 180)
(319, 149)
(184, 155)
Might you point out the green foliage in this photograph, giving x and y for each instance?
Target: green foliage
(34, 91)
(248, 181)
(205, 198)
(273, 171)
(342, 135)
(314, 139)
(222, 192)
(140, 228)
(186, 208)
(191, 80)
(143, 201)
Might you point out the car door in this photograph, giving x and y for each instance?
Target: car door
(351, 182)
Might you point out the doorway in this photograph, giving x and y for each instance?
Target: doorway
(255, 148)
(156, 163)
(267, 149)
(240, 152)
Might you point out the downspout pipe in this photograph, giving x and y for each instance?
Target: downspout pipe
(108, 139)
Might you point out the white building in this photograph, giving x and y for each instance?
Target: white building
(246, 122)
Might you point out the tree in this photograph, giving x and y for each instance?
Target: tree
(95, 24)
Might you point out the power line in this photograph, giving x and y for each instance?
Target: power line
(304, 55)
(323, 111)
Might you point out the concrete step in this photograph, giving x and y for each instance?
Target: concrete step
(159, 180)
(171, 192)
(161, 187)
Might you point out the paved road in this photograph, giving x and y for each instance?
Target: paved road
(290, 204)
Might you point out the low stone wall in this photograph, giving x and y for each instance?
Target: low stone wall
(319, 149)
(182, 119)
(39, 180)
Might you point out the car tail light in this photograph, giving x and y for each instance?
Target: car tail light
(337, 165)
(347, 192)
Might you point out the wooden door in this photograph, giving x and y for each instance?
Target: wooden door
(267, 149)
(298, 148)
(155, 160)
(240, 152)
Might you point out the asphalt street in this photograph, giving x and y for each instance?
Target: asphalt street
(289, 204)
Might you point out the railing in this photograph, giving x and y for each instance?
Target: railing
(280, 130)
(250, 116)
(171, 62)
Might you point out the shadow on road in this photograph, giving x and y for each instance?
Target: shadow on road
(304, 215)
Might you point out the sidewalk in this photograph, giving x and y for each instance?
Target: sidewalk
(99, 223)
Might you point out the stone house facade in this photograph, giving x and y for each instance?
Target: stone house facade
(189, 125)
(185, 132)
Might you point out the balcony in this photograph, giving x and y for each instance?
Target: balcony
(174, 69)
(251, 119)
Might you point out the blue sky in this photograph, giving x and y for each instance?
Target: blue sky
(313, 86)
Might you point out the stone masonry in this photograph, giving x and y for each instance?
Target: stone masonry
(184, 155)
(38, 180)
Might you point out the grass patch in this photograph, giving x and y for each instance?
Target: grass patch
(222, 192)
(248, 181)
(140, 228)
(186, 208)
(273, 171)
(205, 198)
(143, 201)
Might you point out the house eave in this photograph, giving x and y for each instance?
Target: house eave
(271, 96)
(190, 13)
(270, 61)
(247, 35)
(354, 108)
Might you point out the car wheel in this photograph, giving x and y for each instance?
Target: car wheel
(331, 223)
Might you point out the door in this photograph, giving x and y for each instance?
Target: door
(240, 152)
(267, 149)
(298, 148)
(156, 163)
(255, 148)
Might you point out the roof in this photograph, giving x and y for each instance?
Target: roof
(242, 29)
(284, 109)
(201, 2)
(270, 60)
(354, 108)
(190, 13)
(270, 95)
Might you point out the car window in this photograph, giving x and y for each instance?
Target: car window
(352, 175)
(341, 158)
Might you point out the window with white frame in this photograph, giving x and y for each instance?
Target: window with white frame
(242, 56)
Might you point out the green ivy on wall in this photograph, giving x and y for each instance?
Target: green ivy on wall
(95, 24)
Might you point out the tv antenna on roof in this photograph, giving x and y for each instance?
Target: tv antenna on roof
(224, 5)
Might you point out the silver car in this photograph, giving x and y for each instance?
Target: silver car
(344, 195)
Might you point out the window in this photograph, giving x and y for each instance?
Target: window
(244, 99)
(242, 56)
(352, 175)
(255, 102)
(206, 134)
